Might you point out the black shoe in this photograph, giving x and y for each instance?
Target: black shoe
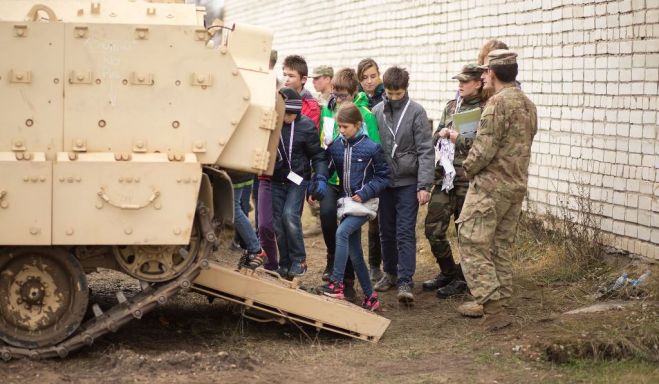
(441, 280)
(327, 273)
(253, 260)
(456, 287)
(349, 292)
(283, 272)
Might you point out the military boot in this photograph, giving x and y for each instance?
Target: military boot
(455, 287)
(496, 315)
(471, 309)
(447, 274)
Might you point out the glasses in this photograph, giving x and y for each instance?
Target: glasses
(341, 96)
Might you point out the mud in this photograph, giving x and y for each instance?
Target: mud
(191, 340)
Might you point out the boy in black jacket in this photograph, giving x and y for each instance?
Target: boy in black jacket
(298, 147)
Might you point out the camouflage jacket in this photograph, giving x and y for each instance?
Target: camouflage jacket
(462, 145)
(499, 157)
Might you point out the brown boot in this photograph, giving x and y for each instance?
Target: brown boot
(496, 315)
(471, 309)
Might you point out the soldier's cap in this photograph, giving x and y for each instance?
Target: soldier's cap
(469, 72)
(500, 57)
(322, 70)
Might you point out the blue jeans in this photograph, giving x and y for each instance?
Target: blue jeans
(287, 200)
(241, 222)
(397, 215)
(349, 242)
(329, 225)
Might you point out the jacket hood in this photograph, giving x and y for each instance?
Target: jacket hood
(305, 94)
(397, 103)
(472, 100)
(358, 135)
(361, 99)
(379, 90)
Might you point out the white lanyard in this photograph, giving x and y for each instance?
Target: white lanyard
(290, 146)
(393, 133)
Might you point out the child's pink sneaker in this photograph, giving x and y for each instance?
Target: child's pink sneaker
(371, 302)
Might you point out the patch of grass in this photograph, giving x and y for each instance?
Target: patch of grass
(626, 371)
(563, 246)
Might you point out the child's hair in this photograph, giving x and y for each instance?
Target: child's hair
(349, 114)
(273, 58)
(345, 80)
(488, 47)
(396, 78)
(297, 63)
(364, 65)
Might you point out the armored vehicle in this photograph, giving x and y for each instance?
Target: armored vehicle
(117, 118)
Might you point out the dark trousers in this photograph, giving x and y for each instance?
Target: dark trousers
(287, 199)
(266, 229)
(329, 224)
(397, 214)
(255, 201)
(374, 246)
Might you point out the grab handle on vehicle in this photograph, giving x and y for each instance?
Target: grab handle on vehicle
(33, 13)
(104, 196)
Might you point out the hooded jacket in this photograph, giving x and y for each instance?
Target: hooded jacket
(410, 153)
(360, 163)
(306, 150)
(310, 107)
(377, 95)
(328, 115)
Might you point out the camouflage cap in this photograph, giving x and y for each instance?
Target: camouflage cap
(322, 70)
(469, 72)
(500, 57)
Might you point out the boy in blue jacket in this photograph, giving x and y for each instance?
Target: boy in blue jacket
(363, 173)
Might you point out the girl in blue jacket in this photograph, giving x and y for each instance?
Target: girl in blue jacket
(363, 173)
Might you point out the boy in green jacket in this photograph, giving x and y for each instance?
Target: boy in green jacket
(344, 89)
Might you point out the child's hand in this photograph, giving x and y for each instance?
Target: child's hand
(356, 198)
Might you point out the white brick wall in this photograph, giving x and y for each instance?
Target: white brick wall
(591, 67)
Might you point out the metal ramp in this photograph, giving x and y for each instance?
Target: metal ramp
(265, 291)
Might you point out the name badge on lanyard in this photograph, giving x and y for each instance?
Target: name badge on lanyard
(292, 176)
(394, 132)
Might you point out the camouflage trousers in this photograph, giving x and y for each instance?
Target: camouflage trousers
(486, 231)
(440, 209)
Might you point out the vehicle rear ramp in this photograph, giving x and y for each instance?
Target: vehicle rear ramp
(265, 291)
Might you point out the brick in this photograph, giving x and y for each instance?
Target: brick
(618, 212)
(596, 90)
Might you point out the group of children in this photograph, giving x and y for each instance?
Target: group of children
(367, 154)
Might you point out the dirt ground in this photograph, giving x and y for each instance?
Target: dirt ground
(190, 340)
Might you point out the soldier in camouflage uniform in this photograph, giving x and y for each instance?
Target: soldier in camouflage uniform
(444, 204)
(497, 166)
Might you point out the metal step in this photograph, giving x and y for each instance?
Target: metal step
(265, 291)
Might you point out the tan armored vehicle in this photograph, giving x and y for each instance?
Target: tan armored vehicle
(115, 117)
